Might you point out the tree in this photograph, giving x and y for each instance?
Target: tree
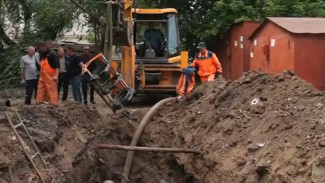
(11, 8)
(295, 8)
(52, 17)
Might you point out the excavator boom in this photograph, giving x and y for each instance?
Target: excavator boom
(150, 62)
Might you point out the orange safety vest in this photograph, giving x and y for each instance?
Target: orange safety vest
(46, 68)
(207, 64)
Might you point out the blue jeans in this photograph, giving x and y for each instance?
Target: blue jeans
(75, 83)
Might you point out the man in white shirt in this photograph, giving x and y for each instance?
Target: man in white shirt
(63, 75)
(29, 73)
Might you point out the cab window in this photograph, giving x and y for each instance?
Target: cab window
(151, 39)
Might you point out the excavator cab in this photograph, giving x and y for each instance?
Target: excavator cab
(156, 37)
(157, 46)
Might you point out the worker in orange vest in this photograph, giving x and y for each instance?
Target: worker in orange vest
(47, 84)
(207, 64)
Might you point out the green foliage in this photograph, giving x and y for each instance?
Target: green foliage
(51, 17)
(43, 20)
(295, 8)
(10, 60)
(13, 10)
(198, 19)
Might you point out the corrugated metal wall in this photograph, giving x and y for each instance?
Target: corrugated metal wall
(309, 58)
(240, 47)
(234, 51)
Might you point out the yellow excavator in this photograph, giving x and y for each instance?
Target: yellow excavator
(151, 59)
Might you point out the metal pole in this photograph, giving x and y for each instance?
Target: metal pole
(110, 48)
(108, 44)
(106, 33)
(147, 149)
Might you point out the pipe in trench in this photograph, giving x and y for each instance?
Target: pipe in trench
(146, 149)
(138, 132)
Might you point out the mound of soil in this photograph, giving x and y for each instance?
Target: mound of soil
(260, 128)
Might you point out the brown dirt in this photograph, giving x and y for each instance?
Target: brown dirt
(65, 136)
(60, 133)
(260, 128)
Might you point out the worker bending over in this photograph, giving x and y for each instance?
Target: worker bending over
(207, 64)
(47, 84)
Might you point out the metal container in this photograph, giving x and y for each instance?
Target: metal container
(296, 44)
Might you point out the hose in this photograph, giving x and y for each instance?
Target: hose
(138, 132)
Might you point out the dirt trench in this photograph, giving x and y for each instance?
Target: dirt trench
(261, 128)
(66, 136)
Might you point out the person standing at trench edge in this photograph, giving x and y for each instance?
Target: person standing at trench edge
(207, 64)
(47, 85)
(29, 73)
(63, 75)
(74, 67)
(86, 56)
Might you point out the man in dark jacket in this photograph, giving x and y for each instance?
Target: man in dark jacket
(86, 56)
(74, 67)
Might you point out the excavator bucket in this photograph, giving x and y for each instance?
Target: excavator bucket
(109, 84)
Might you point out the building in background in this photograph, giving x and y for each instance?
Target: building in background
(296, 44)
(233, 52)
(76, 35)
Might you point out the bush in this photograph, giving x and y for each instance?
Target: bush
(10, 61)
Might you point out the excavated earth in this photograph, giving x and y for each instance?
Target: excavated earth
(66, 135)
(260, 128)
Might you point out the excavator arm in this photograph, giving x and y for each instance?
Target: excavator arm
(108, 83)
(112, 87)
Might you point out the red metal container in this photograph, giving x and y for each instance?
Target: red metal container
(235, 58)
(297, 44)
(240, 47)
